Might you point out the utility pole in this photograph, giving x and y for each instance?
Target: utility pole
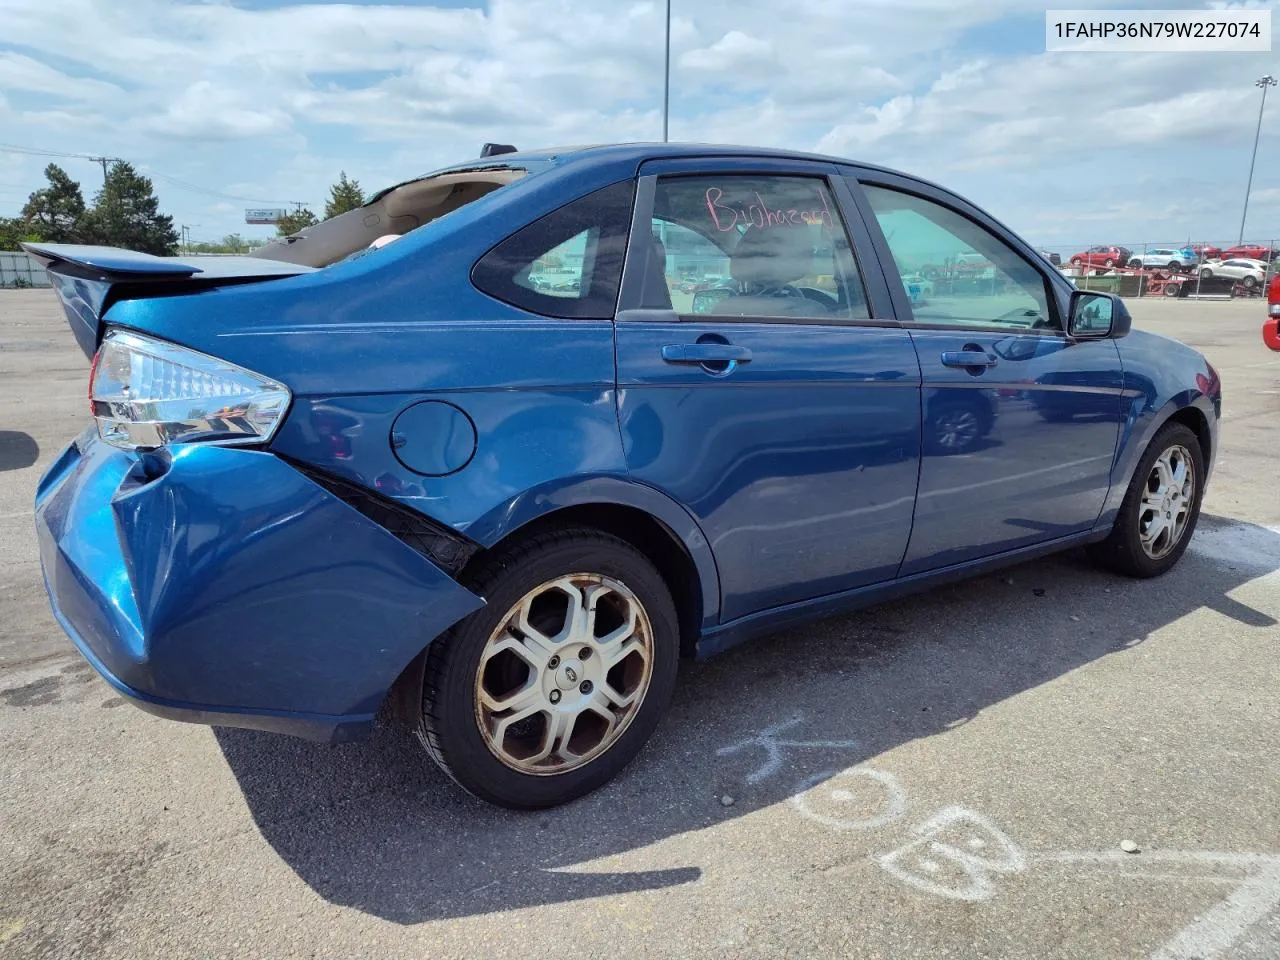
(104, 161)
(1263, 82)
(666, 79)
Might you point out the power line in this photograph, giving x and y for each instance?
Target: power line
(183, 184)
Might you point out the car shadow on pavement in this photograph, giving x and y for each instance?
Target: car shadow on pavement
(17, 450)
(376, 827)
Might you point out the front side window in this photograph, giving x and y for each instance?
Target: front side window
(567, 264)
(962, 273)
(751, 246)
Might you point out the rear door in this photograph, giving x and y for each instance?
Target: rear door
(1020, 422)
(762, 379)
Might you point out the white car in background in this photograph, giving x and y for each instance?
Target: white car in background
(1165, 257)
(1251, 273)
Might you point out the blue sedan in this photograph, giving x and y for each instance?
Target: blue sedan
(494, 451)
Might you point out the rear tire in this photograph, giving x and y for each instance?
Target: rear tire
(521, 702)
(1157, 500)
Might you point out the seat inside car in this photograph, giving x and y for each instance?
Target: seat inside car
(764, 265)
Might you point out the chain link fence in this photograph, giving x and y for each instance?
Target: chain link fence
(1188, 269)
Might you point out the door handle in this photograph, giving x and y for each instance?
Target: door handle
(705, 353)
(968, 358)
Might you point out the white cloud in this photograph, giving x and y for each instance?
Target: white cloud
(272, 103)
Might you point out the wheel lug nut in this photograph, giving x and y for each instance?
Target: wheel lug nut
(554, 696)
(586, 686)
(553, 662)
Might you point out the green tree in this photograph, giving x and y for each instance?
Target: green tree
(16, 230)
(56, 213)
(343, 196)
(291, 223)
(127, 214)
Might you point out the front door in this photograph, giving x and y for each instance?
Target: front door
(1020, 422)
(756, 384)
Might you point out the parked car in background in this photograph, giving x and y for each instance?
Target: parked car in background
(1054, 258)
(317, 488)
(1205, 251)
(1102, 257)
(1250, 273)
(1249, 251)
(1166, 258)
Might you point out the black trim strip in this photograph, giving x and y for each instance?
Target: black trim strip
(443, 546)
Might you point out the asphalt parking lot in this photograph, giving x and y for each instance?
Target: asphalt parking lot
(952, 775)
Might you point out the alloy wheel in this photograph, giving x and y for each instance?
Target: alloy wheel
(1167, 500)
(563, 674)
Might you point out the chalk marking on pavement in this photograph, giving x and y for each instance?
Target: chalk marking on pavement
(990, 851)
(1213, 932)
(767, 740)
(895, 798)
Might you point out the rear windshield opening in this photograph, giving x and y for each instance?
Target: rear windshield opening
(392, 215)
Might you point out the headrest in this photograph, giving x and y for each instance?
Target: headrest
(773, 256)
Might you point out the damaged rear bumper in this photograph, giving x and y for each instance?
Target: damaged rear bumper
(222, 586)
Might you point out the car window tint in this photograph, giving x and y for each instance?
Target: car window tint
(752, 246)
(567, 264)
(965, 274)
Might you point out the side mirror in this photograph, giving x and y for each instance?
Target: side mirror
(1097, 316)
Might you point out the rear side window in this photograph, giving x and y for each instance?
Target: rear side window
(567, 264)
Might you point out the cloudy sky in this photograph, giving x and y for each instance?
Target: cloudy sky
(236, 103)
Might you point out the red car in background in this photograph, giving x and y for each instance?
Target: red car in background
(1205, 251)
(1271, 326)
(1102, 257)
(1248, 251)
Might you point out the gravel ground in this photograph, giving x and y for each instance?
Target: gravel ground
(953, 775)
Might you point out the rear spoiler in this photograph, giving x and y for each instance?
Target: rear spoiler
(88, 279)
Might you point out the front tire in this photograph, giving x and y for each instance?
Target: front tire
(554, 686)
(1160, 509)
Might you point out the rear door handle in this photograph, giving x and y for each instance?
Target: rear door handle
(968, 358)
(705, 353)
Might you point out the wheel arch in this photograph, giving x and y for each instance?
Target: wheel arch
(1190, 408)
(643, 516)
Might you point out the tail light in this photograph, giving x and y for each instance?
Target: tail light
(146, 393)
(1273, 297)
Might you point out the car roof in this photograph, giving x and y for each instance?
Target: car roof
(643, 151)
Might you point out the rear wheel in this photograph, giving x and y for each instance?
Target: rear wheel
(1171, 289)
(1160, 508)
(1174, 266)
(1206, 273)
(1108, 262)
(1249, 282)
(551, 689)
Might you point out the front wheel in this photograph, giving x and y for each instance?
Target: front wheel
(1160, 508)
(1206, 273)
(554, 686)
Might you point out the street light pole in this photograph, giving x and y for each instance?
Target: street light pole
(1263, 82)
(666, 78)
